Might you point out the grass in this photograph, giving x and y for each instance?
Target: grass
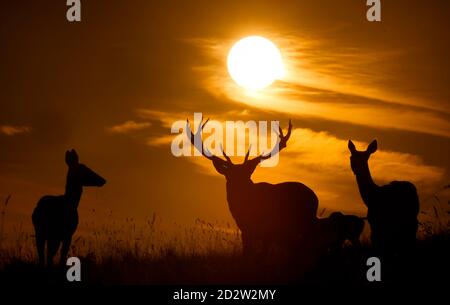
(2, 220)
(129, 252)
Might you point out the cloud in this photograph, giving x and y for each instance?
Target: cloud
(321, 161)
(328, 154)
(13, 130)
(336, 84)
(159, 141)
(319, 151)
(166, 119)
(129, 126)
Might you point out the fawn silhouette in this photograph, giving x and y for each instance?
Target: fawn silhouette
(55, 218)
(265, 213)
(337, 228)
(392, 209)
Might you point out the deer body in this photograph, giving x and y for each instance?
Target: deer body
(265, 213)
(392, 209)
(272, 213)
(338, 228)
(55, 218)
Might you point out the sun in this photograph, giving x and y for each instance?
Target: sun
(255, 62)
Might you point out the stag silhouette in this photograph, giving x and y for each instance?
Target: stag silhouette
(55, 218)
(392, 209)
(266, 214)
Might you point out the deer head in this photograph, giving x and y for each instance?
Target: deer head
(80, 174)
(359, 159)
(239, 173)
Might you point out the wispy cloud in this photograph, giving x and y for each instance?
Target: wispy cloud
(322, 81)
(129, 126)
(159, 141)
(322, 155)
(10, 130)
(321, 161)
(166, 119)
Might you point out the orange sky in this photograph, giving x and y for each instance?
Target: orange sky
(111, 86)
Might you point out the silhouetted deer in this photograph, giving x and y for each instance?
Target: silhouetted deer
(55, 218)
(337, 228)
(392, 208)
(265, 213)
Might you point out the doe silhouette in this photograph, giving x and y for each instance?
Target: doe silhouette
(266, 214)
(392, 209)
(55, 218)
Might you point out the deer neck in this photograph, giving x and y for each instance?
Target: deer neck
(73, 192)
(236, 191)
(367, 187)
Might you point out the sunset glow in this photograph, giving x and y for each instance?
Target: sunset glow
(225, 142)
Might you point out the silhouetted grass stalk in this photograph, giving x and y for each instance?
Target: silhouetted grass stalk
(2, 225)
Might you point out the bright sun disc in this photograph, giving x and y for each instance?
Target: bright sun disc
(254, 63)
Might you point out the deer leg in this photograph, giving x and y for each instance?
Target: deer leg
(40, 246)
(65, 250)
(248, 246)
(52, 248)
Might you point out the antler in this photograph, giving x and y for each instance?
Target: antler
(281, 143)
(201, 149)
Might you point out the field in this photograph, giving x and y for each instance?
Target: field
(128, 252)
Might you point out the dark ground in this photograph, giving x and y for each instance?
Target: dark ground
(429, 264)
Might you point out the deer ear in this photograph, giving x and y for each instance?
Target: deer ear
(71, 158)
(221, 166)
(351, 146)
(75, 156)
(372, 147)
(67, 158)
